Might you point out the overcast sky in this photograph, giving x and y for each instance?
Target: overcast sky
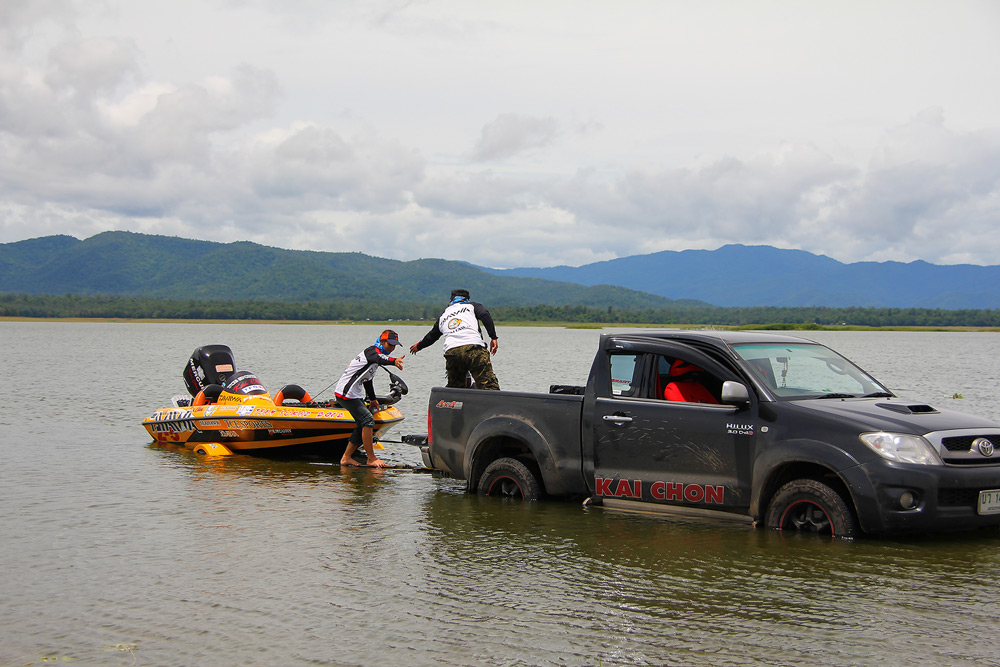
(508, 133)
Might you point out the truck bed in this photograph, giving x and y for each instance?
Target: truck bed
(472, 427)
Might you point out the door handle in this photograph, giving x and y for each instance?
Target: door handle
(618, 419)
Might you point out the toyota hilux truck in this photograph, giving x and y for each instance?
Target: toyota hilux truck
(773, 430)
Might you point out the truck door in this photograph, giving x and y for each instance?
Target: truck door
(690, 452)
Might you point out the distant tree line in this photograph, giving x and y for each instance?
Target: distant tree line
(75, 306)
(774, 317)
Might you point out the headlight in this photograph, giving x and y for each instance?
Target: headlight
(902, 447)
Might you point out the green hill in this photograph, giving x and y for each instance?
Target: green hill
(127, 264)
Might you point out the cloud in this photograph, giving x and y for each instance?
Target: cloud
(98, 132)
(511, 134)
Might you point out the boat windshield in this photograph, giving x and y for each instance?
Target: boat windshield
(807, 370)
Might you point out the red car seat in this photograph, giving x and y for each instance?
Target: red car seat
(684, 384)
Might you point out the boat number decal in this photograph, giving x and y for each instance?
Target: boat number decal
(670, 491)
(172, 427)
(248, 423)
(451, 405)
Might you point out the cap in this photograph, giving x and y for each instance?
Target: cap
(389, 336)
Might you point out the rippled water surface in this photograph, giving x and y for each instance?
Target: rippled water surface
(119, 552)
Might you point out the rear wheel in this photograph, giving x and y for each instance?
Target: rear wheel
(810, 506)
(509, 478)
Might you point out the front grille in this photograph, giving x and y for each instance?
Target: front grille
(964, 452)
(962, 443)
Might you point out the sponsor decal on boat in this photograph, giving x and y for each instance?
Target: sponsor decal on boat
(330, 414)
(659, 490)
(280, 431)
(173, 413)
(297, 413)
(248, 424)
(173, 427)
(209, 423)
(245, 410)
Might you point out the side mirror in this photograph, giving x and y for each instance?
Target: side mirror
(735, 393)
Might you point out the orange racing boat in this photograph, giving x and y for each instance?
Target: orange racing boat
(230, 412)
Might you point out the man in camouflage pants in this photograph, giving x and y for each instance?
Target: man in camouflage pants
(464, 347)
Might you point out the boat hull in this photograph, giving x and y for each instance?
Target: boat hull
(258, 428)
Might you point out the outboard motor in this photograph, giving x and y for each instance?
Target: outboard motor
(209, 364)
(397, 389)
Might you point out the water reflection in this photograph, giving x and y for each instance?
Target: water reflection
(638, 590)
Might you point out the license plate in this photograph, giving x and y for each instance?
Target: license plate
(989, 502)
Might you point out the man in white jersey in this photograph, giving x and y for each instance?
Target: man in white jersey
(355, 386)
(464, 346)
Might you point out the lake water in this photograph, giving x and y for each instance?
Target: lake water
(117, 552)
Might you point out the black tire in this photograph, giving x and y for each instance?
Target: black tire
(509, 478)
(810, 506)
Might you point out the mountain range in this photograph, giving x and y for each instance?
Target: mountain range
(140, 265)
(739, 275)
(131, 264)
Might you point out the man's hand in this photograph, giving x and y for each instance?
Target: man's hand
(493, 346)
(399, 362)
(413, 348)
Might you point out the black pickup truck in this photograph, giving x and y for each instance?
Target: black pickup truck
(770, 429)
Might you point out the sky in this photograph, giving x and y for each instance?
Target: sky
(508, 134)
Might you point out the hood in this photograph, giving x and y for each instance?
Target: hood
(900, 415)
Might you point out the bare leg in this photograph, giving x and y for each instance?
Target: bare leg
(367, 435)
(346, 459)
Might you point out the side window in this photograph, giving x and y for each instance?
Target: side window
(623, 374)
(683, 381)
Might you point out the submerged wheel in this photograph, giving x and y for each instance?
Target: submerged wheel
(810, 506)
(509, 478)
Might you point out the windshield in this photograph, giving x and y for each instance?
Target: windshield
(807, 370)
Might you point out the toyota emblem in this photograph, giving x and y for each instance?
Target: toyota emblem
(984, 446)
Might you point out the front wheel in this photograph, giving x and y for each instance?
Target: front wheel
(810, 506)
(509, 478)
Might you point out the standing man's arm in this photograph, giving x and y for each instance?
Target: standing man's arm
(429, 339)
(484, 316)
